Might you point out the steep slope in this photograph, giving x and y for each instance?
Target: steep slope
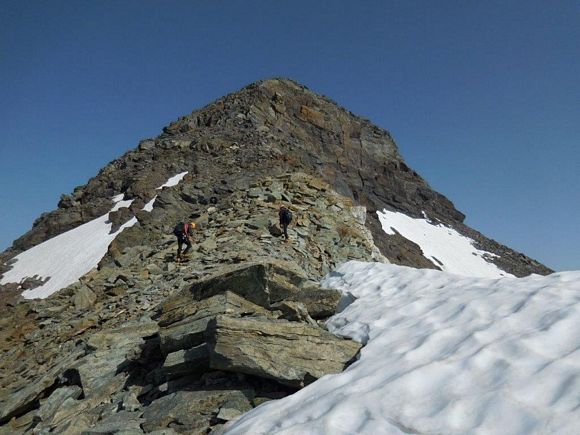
(121, 338)
(267, 129)
(135, 342)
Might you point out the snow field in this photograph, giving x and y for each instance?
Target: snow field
(443, 354)
(64, 258)
(70, 255)
(444, 246)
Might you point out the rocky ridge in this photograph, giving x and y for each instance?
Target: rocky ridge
(145, 344)
(269, 128)
(142, 344)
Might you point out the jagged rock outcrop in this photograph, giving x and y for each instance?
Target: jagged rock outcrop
(167, 373)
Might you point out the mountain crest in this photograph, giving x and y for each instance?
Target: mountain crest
(129, 339)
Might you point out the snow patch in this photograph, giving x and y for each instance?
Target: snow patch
(64, 258)
(444, 354)
(173, 181)
(70, 255)
(121, 204)
(149, 206)
(444, 246)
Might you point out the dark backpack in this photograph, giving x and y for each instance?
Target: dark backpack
(179, 229)
(286, 216)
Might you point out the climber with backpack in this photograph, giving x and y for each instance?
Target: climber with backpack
(285, 219)
(183, 231)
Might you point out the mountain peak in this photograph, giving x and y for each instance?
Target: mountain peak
(128, 331)
(270, 128)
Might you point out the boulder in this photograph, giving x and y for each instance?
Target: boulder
(185, 319)
(118, 218)
(293, 354)
(84, 298)
(320, 302)
(294, 311)
(130, 334)
(113, 350)
(262, 283)
(233, 408)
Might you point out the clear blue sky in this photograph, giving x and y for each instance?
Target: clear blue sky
(482, 97)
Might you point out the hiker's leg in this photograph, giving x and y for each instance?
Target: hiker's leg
(187, 246)
(285, 226)
(179, 245)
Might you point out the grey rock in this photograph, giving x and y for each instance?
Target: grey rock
(185, 319)
(291, 353)
(262, 283)
(84, 298)
(234, 407)
(130, 402)
(52, 404)
(320, 303)
(154, 269)
(122, 422)
(146, 144)
(118, 218)
(186, 362)
(208, 245)
(294, 311)
(22, 401)
(275, 230)
(130, 334)
(188, 411)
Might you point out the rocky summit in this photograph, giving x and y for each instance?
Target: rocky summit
(145, 344)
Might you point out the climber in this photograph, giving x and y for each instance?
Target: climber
(285, 219)
(183, 231)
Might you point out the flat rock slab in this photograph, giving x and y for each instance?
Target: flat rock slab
(262, 283)
(56, 399)
(291, 353)
(194, 316)
(122, 422)
(129, 335)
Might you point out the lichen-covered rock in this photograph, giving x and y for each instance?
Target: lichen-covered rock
(55, 401)
(291, 353)
(24, 400)
(84, 298)
(262, 283)
(185, 320)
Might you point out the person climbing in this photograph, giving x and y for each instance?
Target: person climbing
(285, 219)
(183, 231)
